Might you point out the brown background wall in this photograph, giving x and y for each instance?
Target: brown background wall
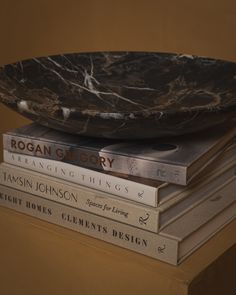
(35, 28)
(31, 28)
(41, 27)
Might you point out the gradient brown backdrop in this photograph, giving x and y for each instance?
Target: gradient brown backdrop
(31, 28)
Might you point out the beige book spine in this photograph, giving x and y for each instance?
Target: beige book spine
(141, 241)
(124, 188)
(128, 212)
(80, 197)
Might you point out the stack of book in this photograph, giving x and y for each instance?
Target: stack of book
(163, 198)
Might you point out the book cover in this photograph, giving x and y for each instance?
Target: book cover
(175, 160)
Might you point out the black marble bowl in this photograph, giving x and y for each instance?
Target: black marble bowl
(122, 94)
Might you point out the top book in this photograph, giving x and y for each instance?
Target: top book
(174, 160)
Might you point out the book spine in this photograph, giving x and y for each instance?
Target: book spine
(141, 241)
(107, 183)
(99, 159)
(79, 197)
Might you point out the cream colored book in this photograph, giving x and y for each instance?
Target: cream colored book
(173, 160)
(140, 190)
(111, 206)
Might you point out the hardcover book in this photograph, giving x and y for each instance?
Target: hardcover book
(111, 206)
(172, 245)
(119, 185)
(175, 160)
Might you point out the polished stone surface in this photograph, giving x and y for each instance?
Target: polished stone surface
(122, 94)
